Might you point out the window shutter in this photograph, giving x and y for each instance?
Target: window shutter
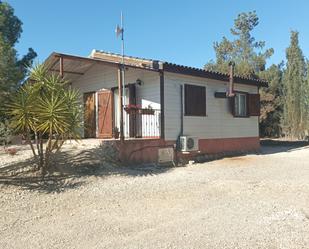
(254, 104)
(132, 94)
(195, 100)
(231, 101)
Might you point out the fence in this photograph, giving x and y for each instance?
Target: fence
(142, 123)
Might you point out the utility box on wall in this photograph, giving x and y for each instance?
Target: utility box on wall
(166, 155)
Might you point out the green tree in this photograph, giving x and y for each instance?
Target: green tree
(306, 99)
(47, 107)
(272, 101)
(12, 69)
(250, 58)
(296, 92)
(247, 53)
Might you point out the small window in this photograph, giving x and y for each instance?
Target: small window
(241, 105)
(195, 100)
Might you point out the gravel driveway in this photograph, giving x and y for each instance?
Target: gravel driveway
(254, 201)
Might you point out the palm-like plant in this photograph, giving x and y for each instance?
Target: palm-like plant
(47, 107)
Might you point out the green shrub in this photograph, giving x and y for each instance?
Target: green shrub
(5, 133)
(48, 107)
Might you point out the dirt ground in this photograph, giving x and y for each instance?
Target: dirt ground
(253, 201)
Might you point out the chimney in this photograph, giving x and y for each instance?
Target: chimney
(231, 84)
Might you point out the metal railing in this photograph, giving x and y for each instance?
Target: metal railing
(142, 123)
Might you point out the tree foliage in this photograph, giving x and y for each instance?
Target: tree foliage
(12, 69)
(296, 91)
(250, 58)
(272, 101)
(247, 53)
(49, 108)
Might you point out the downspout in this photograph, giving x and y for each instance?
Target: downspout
(181, 120)
(181, 110)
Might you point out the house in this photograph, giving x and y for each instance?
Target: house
(167, 108)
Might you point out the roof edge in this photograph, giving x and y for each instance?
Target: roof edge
(156, 65)
(191, 71)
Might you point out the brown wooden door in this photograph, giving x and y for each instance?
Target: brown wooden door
(89, 115)
(134, 115)
(105, 114)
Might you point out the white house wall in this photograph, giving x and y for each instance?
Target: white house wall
(218, 123)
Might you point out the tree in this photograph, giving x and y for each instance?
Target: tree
(250, 58)
(247, 53)
(49, 108)
(272, 101)
(12, 70)
(296, 91)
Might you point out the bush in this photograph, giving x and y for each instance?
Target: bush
(48, 107)
(5, 133)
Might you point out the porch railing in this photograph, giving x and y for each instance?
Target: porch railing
(142, 123)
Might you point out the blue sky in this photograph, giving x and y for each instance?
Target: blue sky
(182, 32)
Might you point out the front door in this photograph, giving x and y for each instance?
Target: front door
(89, 115)
(105, 115)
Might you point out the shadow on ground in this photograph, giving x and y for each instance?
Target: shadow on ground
(69, 169)
(272, 146)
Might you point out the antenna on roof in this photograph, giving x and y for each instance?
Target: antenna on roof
(119, 32)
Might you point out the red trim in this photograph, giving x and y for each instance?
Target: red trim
(146, 150)
(217, 145)
(141, 150)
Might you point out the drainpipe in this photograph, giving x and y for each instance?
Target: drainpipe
(181, 121)
(181, 110)
(231, 82)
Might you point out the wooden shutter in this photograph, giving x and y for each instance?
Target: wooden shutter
(231, 101)
(253, 104)
(133, 116)
(105, 115)
(195, 100)
(132, 94)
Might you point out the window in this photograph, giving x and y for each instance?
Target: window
(240, 105)
(195, 100)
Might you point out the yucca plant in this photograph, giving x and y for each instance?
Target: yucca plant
(49, 108)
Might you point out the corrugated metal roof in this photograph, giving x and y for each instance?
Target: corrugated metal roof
(199, 71)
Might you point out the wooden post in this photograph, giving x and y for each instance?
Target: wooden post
(162, 131)
(120, 103)
(61, 66)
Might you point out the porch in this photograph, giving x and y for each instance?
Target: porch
(102, 116)
(134, 112)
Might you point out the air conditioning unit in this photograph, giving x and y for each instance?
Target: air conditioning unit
(188, 143)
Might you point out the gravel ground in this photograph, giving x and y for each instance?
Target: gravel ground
(253, 201)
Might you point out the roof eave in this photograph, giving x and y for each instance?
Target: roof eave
(174, 68)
